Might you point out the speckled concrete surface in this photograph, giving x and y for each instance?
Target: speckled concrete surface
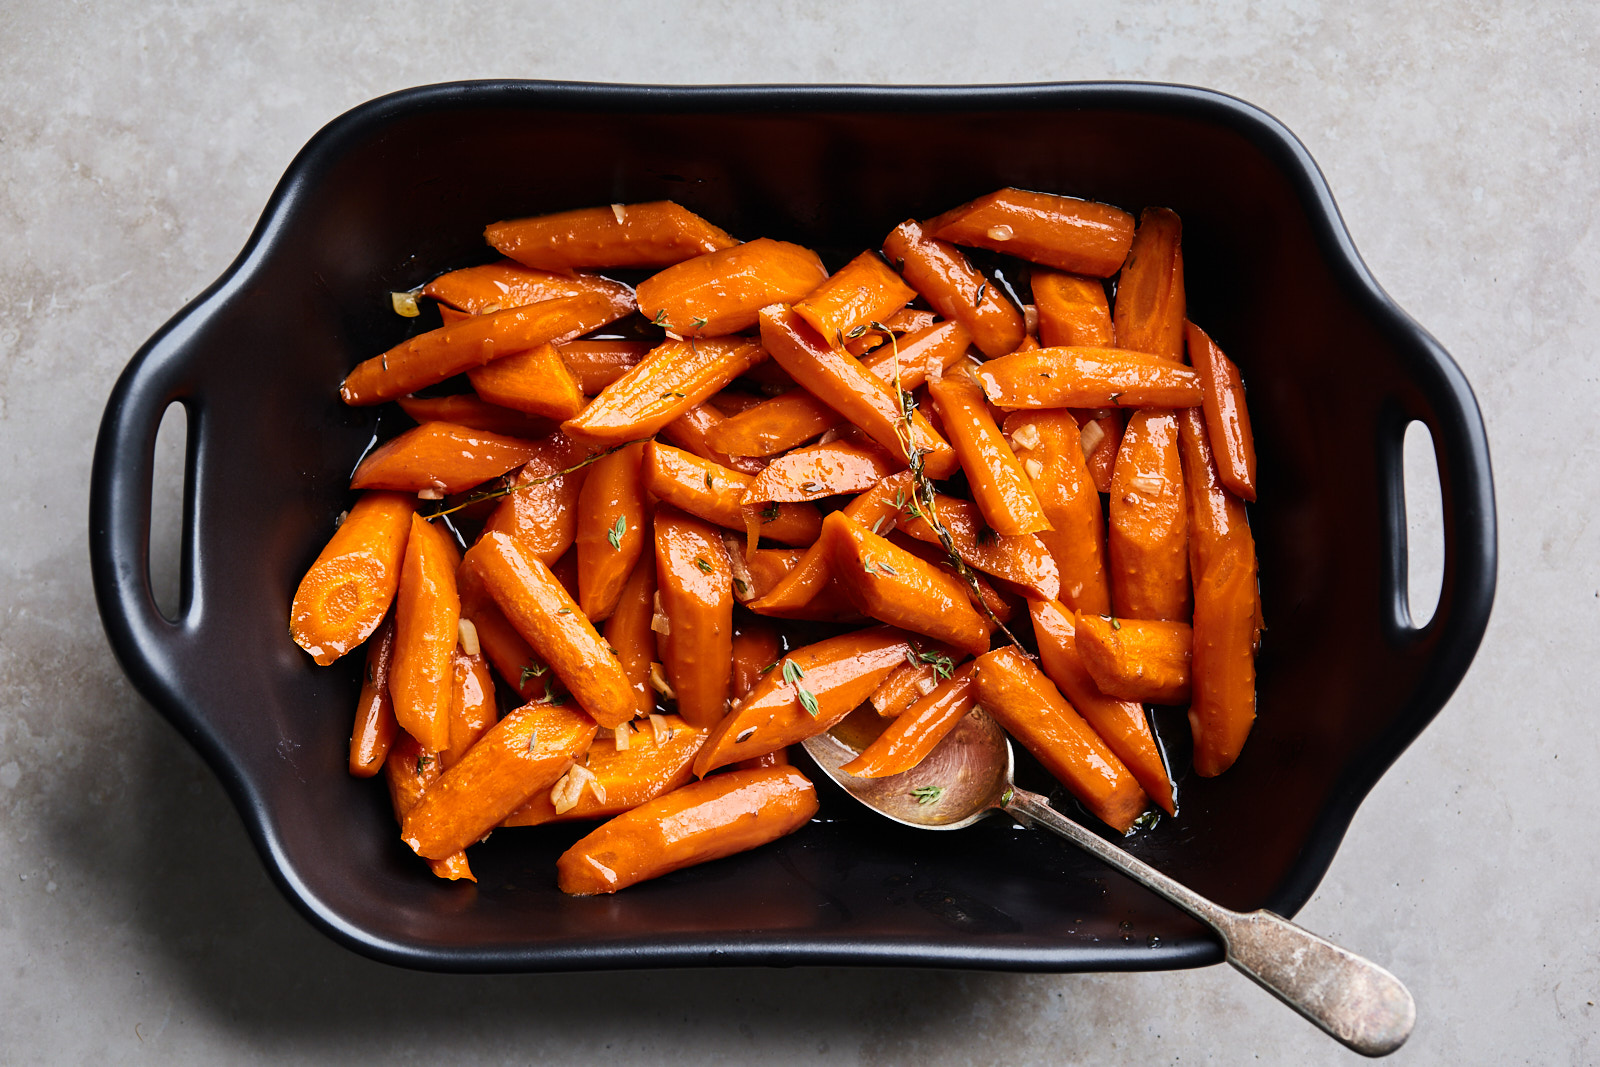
(137, 148)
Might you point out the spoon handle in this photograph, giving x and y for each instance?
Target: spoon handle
(1358, 1003)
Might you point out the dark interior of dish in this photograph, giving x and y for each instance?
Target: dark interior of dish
(393, 193)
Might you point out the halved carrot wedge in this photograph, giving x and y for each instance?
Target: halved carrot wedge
(1087, 378)
(610, 537)
(427, 614)
(695, 582)
(717, 494)
(722, 292)
(1000, 487)
(441, 458)
(656, 758)
(472, 706)
(540, 509)
(409, 772)
(1216, 517)
(1057, 231)
(758, 574)
(846, 465)
(348, 590)
(1073, 312)
(475, 413)
(693, 432)
(939, 271)
(1136, 659)
(757, 645)
(907, 740)
(1148, 537)
(628, 629)
(1101, 430)
(1227, 418)
(1150, 312)
(1049, 444)
(864, 291)
(505, 283)
(1224, 705)
(655, 234)
(598, 363)
(673, 378)
(902, 324)
(1021, 559)
(375, 726)
(537, 381)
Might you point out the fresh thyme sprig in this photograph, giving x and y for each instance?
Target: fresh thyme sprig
(507, 490)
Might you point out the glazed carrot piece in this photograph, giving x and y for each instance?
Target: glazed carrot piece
(441, 458)
(792, 418)
(722, 292)
(659, 758)
(1150, 292)
(512, 657)
(1136, 659)
(716, 494)
(832, 677)
(472, 706)
(695, 581)
(758, 574)
(694, 430)
(673, 378)
(655, 234)
(756, 646)
(889, 584)
(1087, 378)
(1021, 559)
(907, 740)
(537, 381)
(347, 591)
(999, 485)
(1073, 312)
(1224, 660)
(492, 287)
(610, 537)
(902, 323)
(520, 755)
(465, 409)
(733, 400)
(1122, 724)
(547, 617)
(1057, 231)
(540, 512)
(1101, 436)
(432, 357)
(986, 598)
(1148, 541)
(839, 380)
(409, 773)
(846, 465)
(448, 315)
(1049, 445)
(427, 613)
(1033, 711)
(939, 271)
(1216, 517)
(375, 725)
(909, 683)
(596, 364)
(697, 823)
(864, 291)
(628, 629)
(1227, 418)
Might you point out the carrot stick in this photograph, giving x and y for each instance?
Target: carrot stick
(1148, 539)
(409, 773)
(521, 754)
(1101, 431)
(1216, 517)
(659, 758)
(427, 613)
(1136, 659)
(1150, 292)
(596, 364)
(840, 381)
(673, 378)
(1058, 231)
(716, 494)
(939, 271)
(1073, 312)
(442, 458)
(833, 676)
(765, 569)
(864, 291)
(902, 323)
(1227, 418)
(907, 740)
(696, 590)
(505, 283)
(905, 687)
(656, 234)
(694, 430)
(347, 591)
(1087, 378)
(628, 629)
(986, 598)
(432, 357)
(547, 617)
(1000, 487)
(697, 823)
(375, 725)
(841, 466)
(1049, 445)
(472, 706)
(1224, 660)
(1033, 711)
(721, 292)
(475, 413)
(540, 513)
(610, 536)
(512, 657)
(756, 646)
(1021, 559)
(537, 381)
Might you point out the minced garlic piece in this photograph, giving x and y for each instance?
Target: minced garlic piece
(468, 631)
(1026, 436)
(1090, 437)
(405, 304)
(658, 682)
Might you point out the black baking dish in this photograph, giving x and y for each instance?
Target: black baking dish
(400, 188)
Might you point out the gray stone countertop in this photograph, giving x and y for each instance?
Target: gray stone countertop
(138, 144)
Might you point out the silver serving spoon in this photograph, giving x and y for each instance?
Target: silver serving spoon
(1355, 1001)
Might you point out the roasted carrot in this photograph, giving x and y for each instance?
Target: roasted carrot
(758, 574)
(522, 754)
(540, 511)
(1049, 445)
(547, 617)
(716, 494)
(1087, 378)
(409, 772)
(864, 291)
(907, 740)
(432, 357)
(1224, 705)
(693, 432)
(655, 234)
(628, 629)
(598, 363)
(427, 614)
(537, 381)
(472, 706)
(492, 287)
(1021, 559)
(697, 823)
(846, 465)
(1073, 312)
(475, 413)
(347, 591)
(695, 583)
(1148, 539)
(1033, 711)
(887, 583)
(1101, 430)
(1056, 231)
(375, 725)
(980, 593)
(1136, 659)
(721, 292)
(908, 684)
(1150, 291)
(657, 758)
(902, 323)
(610, 537)
(1216, 517)
(756, 647)
(839, 380)
(512, 657)
(937, 270)
(1227, 418)
(673, 378)
(1122, 724)
(1000, 487)
(809, 690)
(440, 458)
